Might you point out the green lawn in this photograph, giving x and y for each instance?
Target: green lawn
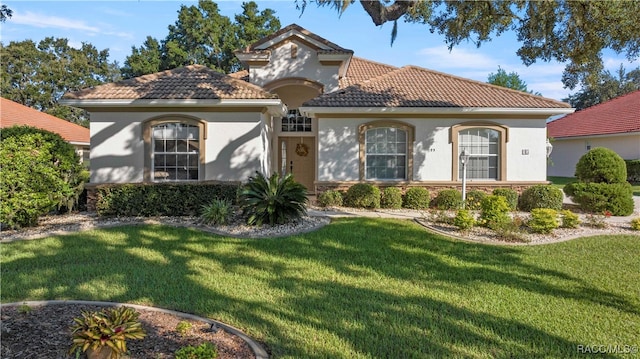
(560, 182)
(358, 288)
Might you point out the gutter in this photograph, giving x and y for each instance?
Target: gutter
(311, 111)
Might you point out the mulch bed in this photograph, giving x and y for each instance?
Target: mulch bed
(43, 332)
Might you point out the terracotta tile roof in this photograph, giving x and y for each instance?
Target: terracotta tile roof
(242, 75)
(618, 115)
(300, 29)
(412, 86)
(194, 82)
(361, 69)
(13, 113)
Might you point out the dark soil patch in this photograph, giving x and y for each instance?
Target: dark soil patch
(43, 332)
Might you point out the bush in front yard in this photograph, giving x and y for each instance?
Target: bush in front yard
(635, 224)
(330, 198)
(543, 220)
(569, 219)
(616, 198)
(416, 198)
(540, 196)
(216, 212)
(633, 170)
(362, 195)
(474, 199)
(510, 195)
(391, 198)
(601, 165)
(464, 220)
(494, 211)
(448, 199)
(273, 200)
(161, 199)
(39, 172)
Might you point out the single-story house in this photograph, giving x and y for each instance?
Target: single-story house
(13, 113)
(308, 106)
(614, 124)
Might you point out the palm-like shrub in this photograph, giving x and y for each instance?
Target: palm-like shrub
(273, 200)
(216, 212)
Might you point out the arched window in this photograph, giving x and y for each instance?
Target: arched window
(482, 145)
(174, 149)
(176, 152)
(485, 144)
(386, 148)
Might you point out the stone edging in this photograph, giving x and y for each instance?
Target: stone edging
(257, 349)
(497, 243)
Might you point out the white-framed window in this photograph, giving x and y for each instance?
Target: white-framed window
(483, 147)
(385, 154)
(295, 122)
(176, 152)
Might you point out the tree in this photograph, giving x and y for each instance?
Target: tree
(569, 31)
(253, 25)
(146, 59)
(201, 35)
(5, 13)
(511, 80)
(607, 87)
(38, 75)
(40, 171)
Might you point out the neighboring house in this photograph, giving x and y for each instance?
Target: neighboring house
(13, 113)
(614, 124)
(308, 106)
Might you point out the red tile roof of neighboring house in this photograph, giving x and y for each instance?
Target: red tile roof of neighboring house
(412, 86)
(194, 82)
(619, 115)
(13, 113)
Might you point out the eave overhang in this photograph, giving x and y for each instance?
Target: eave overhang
(310, 111)
(273, 106)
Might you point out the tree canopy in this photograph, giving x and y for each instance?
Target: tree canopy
(509, 80)
(201, 35)
(37, 75)
(607, 87)
(5, 13)
(574, 32)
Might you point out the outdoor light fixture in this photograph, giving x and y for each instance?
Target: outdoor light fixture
(464, 158)
(549, 148)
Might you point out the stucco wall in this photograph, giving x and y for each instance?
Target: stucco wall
(237, 145)
(304, 65)
(567, 152)
(338, 149)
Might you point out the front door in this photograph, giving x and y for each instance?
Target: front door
(297, 155)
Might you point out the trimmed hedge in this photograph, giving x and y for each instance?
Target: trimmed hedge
(601, 165)
(540, 196)
(416, 198)
(448, 199)
(330, 198)
(633, 170)
(616, 198)
(391, 198)
(362, 195)
(161, 199)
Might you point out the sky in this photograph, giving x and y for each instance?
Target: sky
(119, 25)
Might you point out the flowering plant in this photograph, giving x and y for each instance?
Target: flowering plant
(110, 327)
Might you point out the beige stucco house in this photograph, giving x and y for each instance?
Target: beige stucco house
(308, 106)
(614, 124)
